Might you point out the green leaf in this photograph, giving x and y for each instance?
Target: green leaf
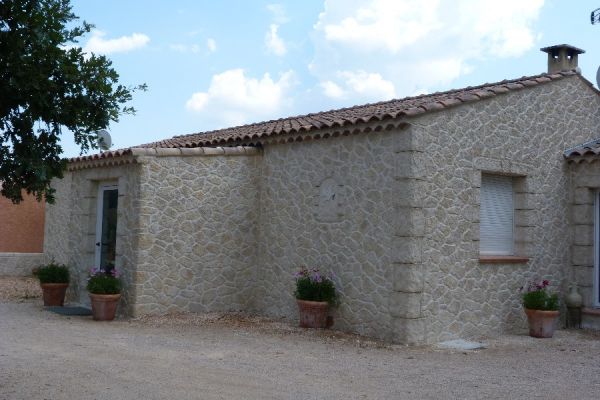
(48, 87)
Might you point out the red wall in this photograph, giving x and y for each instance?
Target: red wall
(21, 226)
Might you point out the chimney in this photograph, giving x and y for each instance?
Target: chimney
(562, 57)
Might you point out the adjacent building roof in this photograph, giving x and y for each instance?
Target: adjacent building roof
(344, 121)
(583, 151)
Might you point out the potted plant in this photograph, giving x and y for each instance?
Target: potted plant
(104, 286)
(315, 293)
(54, 280)
(541, 308)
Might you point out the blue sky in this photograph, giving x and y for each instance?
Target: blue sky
(214, 64)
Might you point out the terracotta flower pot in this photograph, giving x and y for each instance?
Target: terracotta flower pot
(313, 314)
(54, 293)
(541, 323)
(104, 306)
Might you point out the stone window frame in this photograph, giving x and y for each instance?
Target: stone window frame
(523, 209)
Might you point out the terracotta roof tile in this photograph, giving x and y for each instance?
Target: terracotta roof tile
(529, 82)
(591, 148)
(499, 89)
(450, 102)
(348, 120)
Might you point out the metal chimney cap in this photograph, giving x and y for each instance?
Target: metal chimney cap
(550, 49)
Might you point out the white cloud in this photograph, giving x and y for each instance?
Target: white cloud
(211, 44)
(370, 85)
(278, 12)
(361, 84)
(273, 42)
(332, 89)
(389, 25)
(233, 99)
(505, 28)
(99, 45)
(197, 102)
(414, 45)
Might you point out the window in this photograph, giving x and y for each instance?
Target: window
(496, 235)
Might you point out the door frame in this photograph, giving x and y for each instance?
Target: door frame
(102, 187)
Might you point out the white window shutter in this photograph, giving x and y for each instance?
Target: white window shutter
(497, 215)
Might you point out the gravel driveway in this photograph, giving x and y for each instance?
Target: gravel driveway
(47, 356)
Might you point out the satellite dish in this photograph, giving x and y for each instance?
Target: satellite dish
(595, 16)
(104, 139)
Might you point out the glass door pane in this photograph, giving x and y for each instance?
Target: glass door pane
(107, 241)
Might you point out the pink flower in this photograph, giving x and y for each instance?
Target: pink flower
(316, 276)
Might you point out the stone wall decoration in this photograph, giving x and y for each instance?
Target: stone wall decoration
(330, 201)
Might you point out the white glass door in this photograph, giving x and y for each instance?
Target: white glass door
(106, 226)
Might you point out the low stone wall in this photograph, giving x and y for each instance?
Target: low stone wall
(19, 264)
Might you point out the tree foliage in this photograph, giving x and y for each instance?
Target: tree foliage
(49, 86)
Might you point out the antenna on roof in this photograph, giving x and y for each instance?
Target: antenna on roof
(104, 139)
(595, 16)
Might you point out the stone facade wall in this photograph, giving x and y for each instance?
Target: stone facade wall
(197, 233)
(19, 264)
(58, 218)
(522, 134)
(71, 226)
(328, 204)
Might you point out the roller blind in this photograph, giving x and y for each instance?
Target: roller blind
(497, 213)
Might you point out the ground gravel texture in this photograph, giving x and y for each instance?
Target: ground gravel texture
(236, 356)
(19, 289)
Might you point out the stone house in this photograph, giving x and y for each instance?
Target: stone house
(431, 211)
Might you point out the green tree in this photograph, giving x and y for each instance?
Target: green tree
(48, 86)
